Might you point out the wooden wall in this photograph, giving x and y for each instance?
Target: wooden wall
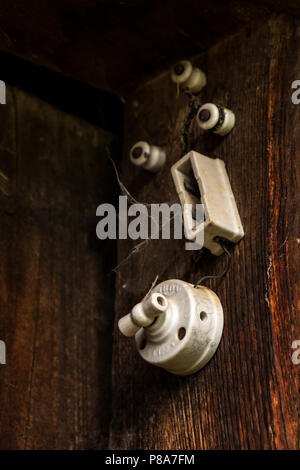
(56, 286)
(57, 294)
(247, 397)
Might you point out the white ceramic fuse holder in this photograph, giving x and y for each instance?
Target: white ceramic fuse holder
(188, 76)
(177, 327)
(203, 180)
(215, 118)
(149, 157)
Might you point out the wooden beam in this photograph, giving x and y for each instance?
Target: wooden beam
(118, 45)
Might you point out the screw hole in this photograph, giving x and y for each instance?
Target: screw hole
(203, 316)
(137, 152)
(179, 68)
(181, 333)
(143, 344)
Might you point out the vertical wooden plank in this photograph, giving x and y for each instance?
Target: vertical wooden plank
(56, 294)
(284, 228)
(8, 160)
(245, 398)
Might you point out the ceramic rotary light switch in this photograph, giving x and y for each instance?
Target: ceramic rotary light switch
(177, 327)
(203, 180)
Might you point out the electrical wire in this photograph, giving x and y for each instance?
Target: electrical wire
(193, 108)
(218, 276)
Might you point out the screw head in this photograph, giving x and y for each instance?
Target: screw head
(204, 115)
(137, 152)
(179, 68)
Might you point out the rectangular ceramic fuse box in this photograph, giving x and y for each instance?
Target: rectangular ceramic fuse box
(203, 180)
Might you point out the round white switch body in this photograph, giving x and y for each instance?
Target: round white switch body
(183, 333)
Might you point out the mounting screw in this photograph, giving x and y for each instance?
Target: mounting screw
(147, 156)
(188, 76)
(179, 68)
(137, 152)
(215, 118)
(204, 115)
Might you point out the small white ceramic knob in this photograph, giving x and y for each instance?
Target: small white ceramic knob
(215, 118)
(149, 157)
(188, 76)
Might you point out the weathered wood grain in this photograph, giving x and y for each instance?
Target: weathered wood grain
(247, 397)
(56, 291)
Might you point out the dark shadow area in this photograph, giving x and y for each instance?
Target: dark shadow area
(96, 106)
